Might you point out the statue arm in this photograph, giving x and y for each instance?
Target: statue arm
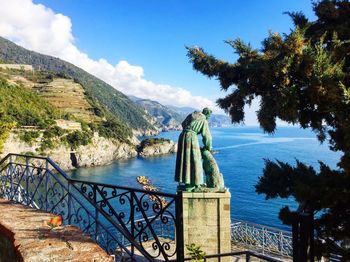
(207, 139)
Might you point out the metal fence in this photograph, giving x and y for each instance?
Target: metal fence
(236, 256)
(126, 222)
(266, 240)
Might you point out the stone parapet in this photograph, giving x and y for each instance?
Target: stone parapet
(25, 236)
(206, 221)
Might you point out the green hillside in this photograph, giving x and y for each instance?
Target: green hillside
(110, 101)
(23, 107)
(31, 114)
(63, 96)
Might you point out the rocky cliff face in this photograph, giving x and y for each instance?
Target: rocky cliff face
(101, 151)
(166, 147)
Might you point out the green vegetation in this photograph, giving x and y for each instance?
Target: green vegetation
(29, 136)
(79, 138)
(101, 95)
(113, 129)
(153, 141)
(23, 107)
(5, 129)
(32, 109)
(195, 252)
(51, 137)
(302, 77)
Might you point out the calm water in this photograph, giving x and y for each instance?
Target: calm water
(241, 154)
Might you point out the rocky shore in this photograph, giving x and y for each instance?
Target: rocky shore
(101, 151)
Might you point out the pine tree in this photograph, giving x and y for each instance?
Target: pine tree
(303, 78)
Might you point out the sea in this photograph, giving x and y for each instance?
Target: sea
(241, 152)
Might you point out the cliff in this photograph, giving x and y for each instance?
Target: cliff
(101, 151)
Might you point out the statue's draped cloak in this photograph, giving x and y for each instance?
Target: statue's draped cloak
(189, 160)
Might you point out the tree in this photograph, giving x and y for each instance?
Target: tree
(303, 78)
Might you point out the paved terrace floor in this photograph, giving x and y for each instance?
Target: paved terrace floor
(25, 231)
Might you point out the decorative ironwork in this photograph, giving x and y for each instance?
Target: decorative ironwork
(262, 238)
(124, 221)
(235, 256)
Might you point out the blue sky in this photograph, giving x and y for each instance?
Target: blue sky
(153, 33)
(150, 36)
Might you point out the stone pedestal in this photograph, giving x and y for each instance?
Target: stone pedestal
(206, 222)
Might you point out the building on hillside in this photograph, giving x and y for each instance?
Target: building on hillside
(68, 125)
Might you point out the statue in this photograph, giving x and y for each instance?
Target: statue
(189, 165)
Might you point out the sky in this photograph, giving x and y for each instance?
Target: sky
(138, 46)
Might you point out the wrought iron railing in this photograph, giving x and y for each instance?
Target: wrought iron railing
(126, 222)
(235, 256)
(266, 240)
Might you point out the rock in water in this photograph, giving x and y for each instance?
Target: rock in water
(156, 146)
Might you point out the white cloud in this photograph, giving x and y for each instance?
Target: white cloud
(38, 28)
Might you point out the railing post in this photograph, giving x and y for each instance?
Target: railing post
(96, 213)
(69, 203)
(11, 177)
(26, 193)
(46, 184)
(180, 254)
(132, 215)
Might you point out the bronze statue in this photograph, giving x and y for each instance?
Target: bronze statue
(189, 165)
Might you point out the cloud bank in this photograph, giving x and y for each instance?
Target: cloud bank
(40, 29)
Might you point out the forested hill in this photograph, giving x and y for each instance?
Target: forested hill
(167, 118)
(111, 100)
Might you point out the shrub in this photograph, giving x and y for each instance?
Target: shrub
(79, 138)
(29, 136)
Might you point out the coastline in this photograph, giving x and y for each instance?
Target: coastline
(100, 152)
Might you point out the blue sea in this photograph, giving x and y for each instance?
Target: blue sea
(241, 154)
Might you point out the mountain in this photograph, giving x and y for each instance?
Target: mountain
(215, 120)
(167, 118)
(184, 111)
(107, 101)
(170, 117)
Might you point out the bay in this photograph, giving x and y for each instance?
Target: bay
(241, 154)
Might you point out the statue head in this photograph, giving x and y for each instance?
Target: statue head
(207, 112)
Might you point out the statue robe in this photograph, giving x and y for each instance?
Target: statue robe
(189, 168)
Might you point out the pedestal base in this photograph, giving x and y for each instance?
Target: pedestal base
(206, 221)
